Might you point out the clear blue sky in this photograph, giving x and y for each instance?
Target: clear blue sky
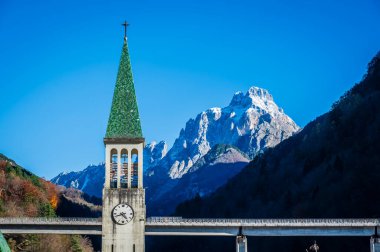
(59, 59)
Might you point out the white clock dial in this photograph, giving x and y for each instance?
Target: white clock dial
(122, 214)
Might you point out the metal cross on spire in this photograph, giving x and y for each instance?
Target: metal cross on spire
(125, 24)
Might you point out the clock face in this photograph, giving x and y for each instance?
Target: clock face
(122, 214)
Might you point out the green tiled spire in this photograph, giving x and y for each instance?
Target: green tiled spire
(124, 120)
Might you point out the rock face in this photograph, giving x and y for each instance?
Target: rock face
(153, 153)
(331, 169)
(252, 122)
(209, 173)
(231, 135)
(90, 180)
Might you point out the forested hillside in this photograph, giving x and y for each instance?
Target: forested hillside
(23, 194)
(331, 169)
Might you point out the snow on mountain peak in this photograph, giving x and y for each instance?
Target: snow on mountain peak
(259, 92)
(237, 99)
(255, 97)
(151, 145)
(252, 122)
(216, 112)
(154, 152)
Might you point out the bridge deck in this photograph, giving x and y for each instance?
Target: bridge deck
(89, 226)
(202, 227)
(261, 227)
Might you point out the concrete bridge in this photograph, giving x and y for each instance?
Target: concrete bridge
(261, 227)
(84, 226)
(176, 226)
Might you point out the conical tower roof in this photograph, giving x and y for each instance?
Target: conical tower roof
(124, 119)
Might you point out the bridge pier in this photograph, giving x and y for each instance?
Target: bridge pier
(375, 244)
(241, 243)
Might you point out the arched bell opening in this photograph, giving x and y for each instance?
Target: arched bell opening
(135, 168)
(113, 169)
(124, 169)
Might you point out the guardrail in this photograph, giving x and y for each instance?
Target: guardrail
(50, 220)
(269, 222)
(206, 221)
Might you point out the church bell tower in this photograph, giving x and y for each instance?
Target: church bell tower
(124, 211)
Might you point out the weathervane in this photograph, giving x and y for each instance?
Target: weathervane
(125, 24)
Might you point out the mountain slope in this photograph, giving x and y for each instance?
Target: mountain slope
(153, 153)
(23, 194)
(91, 179)
(252, 122)
(330, 169)
(210, 172)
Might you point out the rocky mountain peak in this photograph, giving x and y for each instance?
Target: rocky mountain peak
(218, 141)
(154, 152)
(238, 99)
(252, 122)
(256, 98)
(259, 92)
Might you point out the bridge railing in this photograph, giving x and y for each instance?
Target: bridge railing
(268, 222)
(205, 221)
(49, 220)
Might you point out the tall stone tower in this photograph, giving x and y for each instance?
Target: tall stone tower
(123, 227)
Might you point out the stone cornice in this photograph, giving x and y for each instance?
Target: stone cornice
(123, 140)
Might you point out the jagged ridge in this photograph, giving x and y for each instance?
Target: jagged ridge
(252, 122)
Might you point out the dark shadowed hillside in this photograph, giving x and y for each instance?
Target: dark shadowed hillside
(210, 172)
(330, 169)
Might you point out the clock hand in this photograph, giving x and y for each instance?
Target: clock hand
(123, 214)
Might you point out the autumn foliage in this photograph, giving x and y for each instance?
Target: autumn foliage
(23, 194)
